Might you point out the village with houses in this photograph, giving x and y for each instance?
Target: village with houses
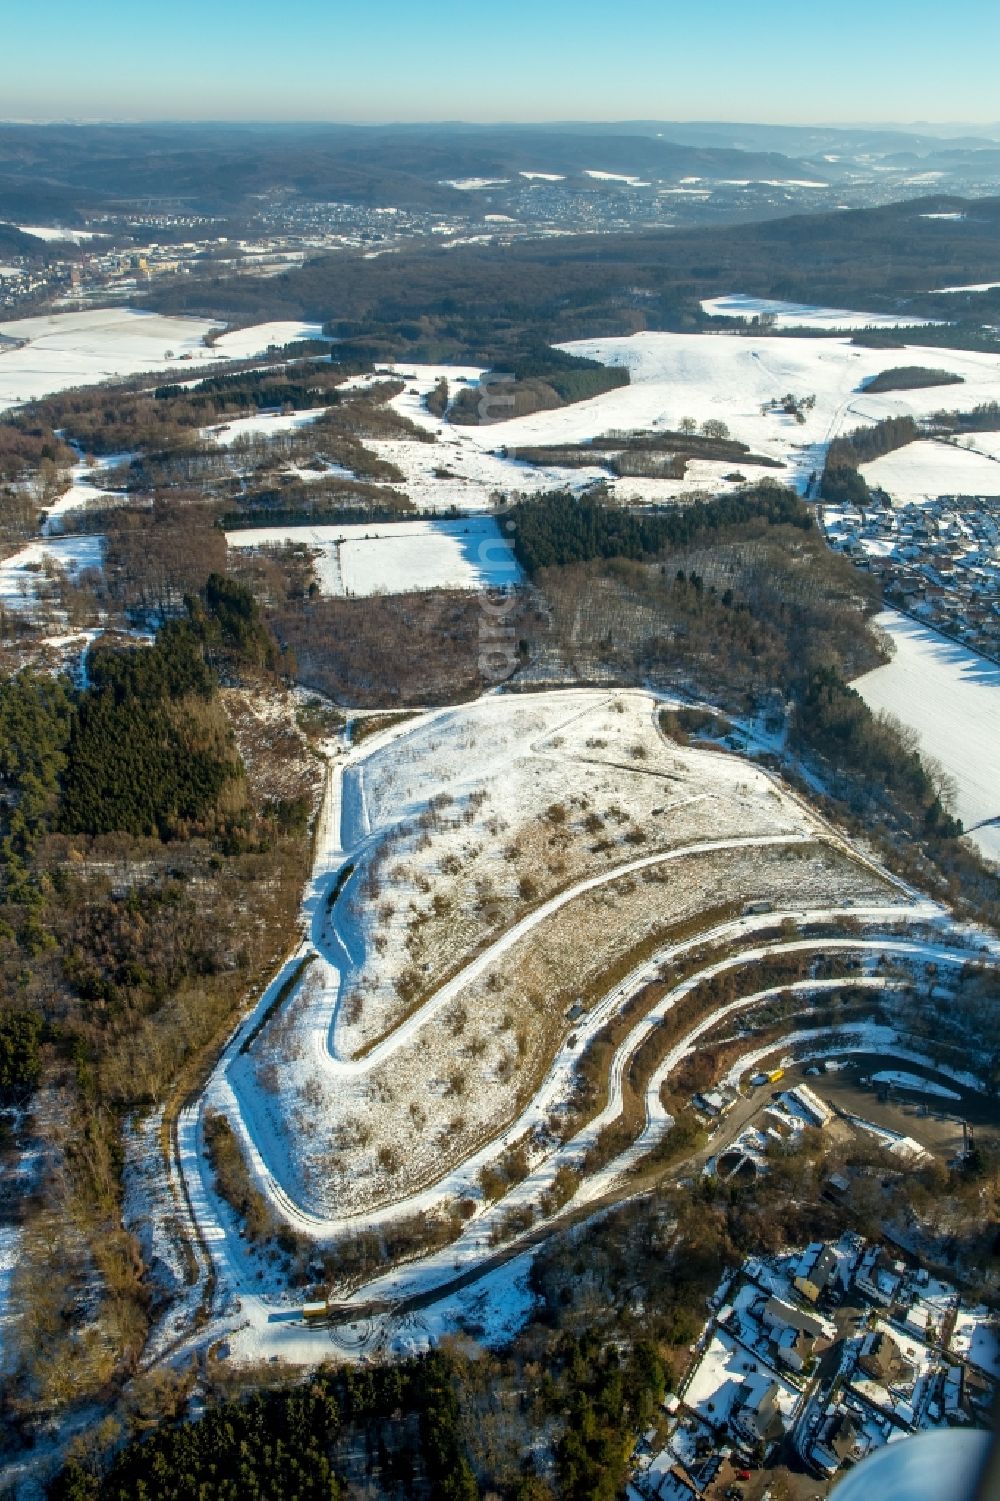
(822, 1355)
(938, 560)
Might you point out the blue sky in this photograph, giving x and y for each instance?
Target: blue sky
(501, 60)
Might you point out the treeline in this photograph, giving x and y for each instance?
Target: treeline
(911, 378)
(105, 421)
(149, 752)
(26, 444)
(832, 719)
(540, 379)
(298, 387)
(560, 528)
(290, 1443)
(842, 482)
(982, 419)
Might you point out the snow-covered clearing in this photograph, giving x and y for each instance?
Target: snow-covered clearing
(261, 425)
(491, 1309)
(247, 343)
(456, 472)
(924, 470)
(951, 698)
(26, 575)
(395, 556)
(85, 489)
(800, 314)
(55, 233)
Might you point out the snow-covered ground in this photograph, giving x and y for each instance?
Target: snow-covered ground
(447, 823)
(247, 343)
(728, 1377)
(261, 425)
(673, 376)
(85, 488)
(492, 1309)
(395, 556)
(976, 286)
(731, 379)
(303, 1056)
(988, 443)
(21, 575)
(10, 1239)
(81, 349)
(951, 698)
(926, 469)
(55, 233)
(800, 314)
(916, 1083)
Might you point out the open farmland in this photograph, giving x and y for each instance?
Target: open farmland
(60, 350)
(737, 381)
(922, 471)
(798, 314)
(951, 698)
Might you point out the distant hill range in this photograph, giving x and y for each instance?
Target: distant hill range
(59, 172)
(486, 302)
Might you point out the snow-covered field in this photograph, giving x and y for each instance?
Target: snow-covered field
(976, 286)
(81, 349)
(246, 343)
(394, 556)
(673, 376)
(926, 469)
(988, 443)
(56, 234)
(686, 375)
(951, 698)
(22, 574)
(800, 314)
